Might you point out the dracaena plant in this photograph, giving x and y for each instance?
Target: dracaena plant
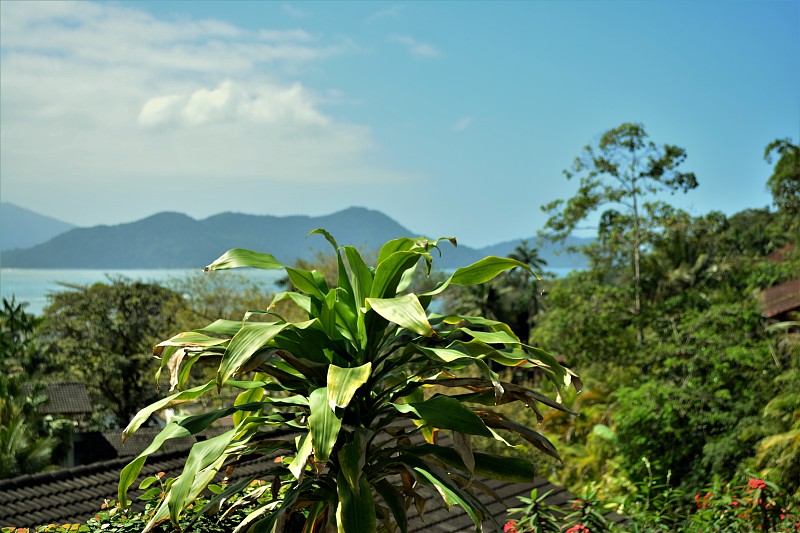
(361, 388)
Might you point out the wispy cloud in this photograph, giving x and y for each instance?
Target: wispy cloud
(462, 124)
(95, 96)
(415, 47)
(393, 11)
(294, 11)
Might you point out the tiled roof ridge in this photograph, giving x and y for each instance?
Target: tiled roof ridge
(101, 466)
(30, 480)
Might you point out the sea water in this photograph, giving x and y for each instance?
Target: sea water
(34, 286)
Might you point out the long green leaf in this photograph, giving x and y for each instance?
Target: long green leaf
(180, 397)
(244, 344)
(178, 427)
(353, 456)
(223, 327)
(326, 234)
(343, 383)
(389, 273)
(239, 257)
(405, 311)
(323, 424)
(446, 413)
(306, 282)
(452, 494)
(485, 270)
(361, 277)
(491, 337)
(202, 455)
(395, 501)
(304, 449)
(512, 469)
(356, 510)
(534, 437)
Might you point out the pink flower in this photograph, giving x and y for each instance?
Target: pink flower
(510, 527)
(578, 529)
(756, 484)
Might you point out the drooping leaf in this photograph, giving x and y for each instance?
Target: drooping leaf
(451, 495)
(534, 437)
(326, 234)
(446, 413)
(512, 469)
(239, 257)
(180, 397)
(404, 311)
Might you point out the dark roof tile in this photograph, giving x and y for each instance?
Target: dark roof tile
(64, 398)
(781, 298)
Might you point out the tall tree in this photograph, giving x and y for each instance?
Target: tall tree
(622, 173)
(103, 335)
(784, 184)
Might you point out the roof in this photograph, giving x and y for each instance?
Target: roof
(779, 255)
(66, 398)
(781, 298)
(74, 495)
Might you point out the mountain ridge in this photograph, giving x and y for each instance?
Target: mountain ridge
(176, 240)
(38, 228)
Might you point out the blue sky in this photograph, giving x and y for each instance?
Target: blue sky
(453, 118)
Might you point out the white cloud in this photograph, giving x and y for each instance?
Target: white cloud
(462, 123)
(101, 97)
(230, 102)
(415, 47)
(98, 92)
(393, 11)
(294, 11)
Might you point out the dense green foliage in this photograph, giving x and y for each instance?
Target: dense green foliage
(29, 442)
(710, 391)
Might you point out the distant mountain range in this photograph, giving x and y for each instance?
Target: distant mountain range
(174, 240)
(22, 228)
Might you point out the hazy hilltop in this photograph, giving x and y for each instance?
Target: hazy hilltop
(23, 228)
(175, 240)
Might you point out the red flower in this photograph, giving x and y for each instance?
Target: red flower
(578, 529)
(510, 527)
(756, 484)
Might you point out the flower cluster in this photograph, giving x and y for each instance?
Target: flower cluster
(755, 484)
(510, 527)
(578, 529)
(702, 502)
